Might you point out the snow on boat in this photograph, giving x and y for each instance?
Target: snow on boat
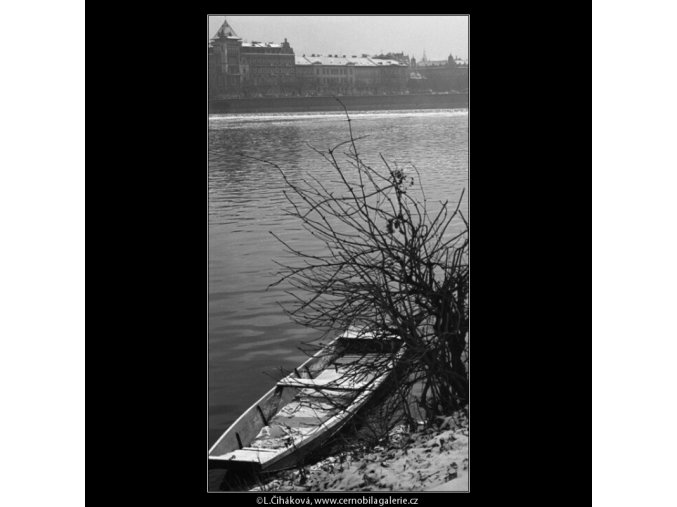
(308, 406)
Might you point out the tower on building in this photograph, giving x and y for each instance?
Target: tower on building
(225, 31)
(224, 61)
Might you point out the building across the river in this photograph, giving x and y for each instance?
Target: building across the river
(257, 69)
(439, 75)
(224, 63)
(349, 75)
(267, 68)
(239, 68)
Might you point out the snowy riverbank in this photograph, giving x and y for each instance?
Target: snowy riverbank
(434, 459)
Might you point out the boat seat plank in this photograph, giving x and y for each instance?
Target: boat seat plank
(326, 395)
(323, 384)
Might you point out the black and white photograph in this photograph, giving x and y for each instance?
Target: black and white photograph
(294, 298)
(280, 272)
(338, 253)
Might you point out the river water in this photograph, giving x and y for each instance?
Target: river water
(249, 335)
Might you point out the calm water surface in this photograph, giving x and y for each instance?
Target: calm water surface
(249, 335)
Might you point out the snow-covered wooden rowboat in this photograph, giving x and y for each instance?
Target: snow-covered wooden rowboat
(307, 407)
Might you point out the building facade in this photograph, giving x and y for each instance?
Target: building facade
(224, 63)
(440, 75)
(349, 75)
(239, 68)
(267, 69)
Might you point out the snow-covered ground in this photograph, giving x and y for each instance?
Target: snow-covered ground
(427, 460)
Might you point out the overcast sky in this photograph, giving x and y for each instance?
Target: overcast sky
(354, 35)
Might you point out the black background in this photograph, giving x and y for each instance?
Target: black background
(530, 200)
